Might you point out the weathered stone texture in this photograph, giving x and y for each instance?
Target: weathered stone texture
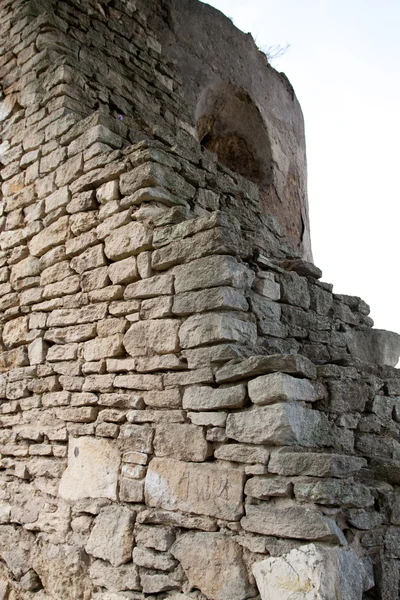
(183, 401)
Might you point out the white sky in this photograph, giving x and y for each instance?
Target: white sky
(344, 64)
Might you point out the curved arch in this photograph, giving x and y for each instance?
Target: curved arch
(229, 124)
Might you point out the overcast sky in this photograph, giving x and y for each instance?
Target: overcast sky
(344, 64)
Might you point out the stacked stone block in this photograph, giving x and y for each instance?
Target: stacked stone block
(180, 406)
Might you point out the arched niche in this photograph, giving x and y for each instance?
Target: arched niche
(230, 124)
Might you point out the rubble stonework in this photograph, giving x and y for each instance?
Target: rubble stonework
(187, 410)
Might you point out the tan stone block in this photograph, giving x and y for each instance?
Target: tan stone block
(212, 271)
(214, 564)
(160, 336)
(123, 271)
(93, 469)
(104, 347)
(204, 489)
(89, 259)
(15, 332)
(128, 240)
(139, 382)
(210, 328)
(159, 285)
(181, 441)
(279, 387)
(112, 535)
(51, 236)
(208, 398)
(114, 579)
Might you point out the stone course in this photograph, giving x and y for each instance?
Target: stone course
(186, 410)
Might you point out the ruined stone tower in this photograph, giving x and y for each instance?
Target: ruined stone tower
(187, 411)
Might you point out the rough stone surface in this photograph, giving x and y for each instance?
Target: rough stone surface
(92, 472)
(194, 488)
(111, 538)
(293, 522)
(169, 354)
(314, 572)
(213, 563)
(280, 387)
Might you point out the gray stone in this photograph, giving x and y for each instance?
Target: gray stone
(292, 522)
(293, 364)
(278, 387)
(127, 240)
(264, 487)
(207, 398)
(211, 272)
(210, 328)
(150, 559)
(317, 465)
(155, 335)
(375, 346)
(221, 298)
(151, 287)
(334, 493)
(242, 453)
(280, 424)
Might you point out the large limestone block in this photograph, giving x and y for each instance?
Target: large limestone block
(211, 272)
(128, 240)
(63, 571)
(220, 298)
(93, 468)
(181, 441)
(112, 535)
(54, 234)
(213, 563)
(376, 346)
(152, 287)
(153, 335)
(208, 398)
(215, 241)
(291, 522)
(212, 328)
(278, 387)
(15, 332)
(204, 489)
(335, 493)
(317, 465)
(104, 347)
(314, 572)
(280, 424)
(123, 271)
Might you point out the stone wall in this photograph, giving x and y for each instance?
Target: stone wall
(187, 411)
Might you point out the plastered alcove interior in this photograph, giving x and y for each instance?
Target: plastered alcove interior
(187, 411)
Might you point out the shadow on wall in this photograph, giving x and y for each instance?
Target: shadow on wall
(229, 124)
